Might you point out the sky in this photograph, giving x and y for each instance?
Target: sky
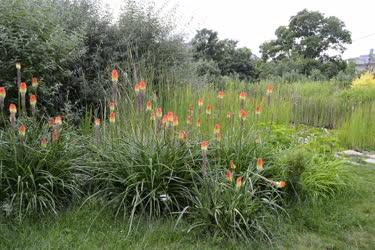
(253, 22)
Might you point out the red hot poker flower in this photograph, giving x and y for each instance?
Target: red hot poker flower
(260, 163)
(243, 96)
(57, 120)
(159, 112)
(97, 122)
(279, 184)
(209, 109)
(114, 75)
(199, 122)
(43, 142)
(243, 114)
(136, 88)
(229, 175)
(12, 108)
(3, 92)
(204, 145)
(269, 89)
(200, 102)
(220, 95)
(175, 121)
(232, 165)
(239, 182)
(217, 128)
(22, 130)
(33, 100)
(34, 82)
(258, 110)
(148, 106)
(112, 117)
(142, 86)
(23, 88)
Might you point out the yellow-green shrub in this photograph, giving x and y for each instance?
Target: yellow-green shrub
(367, 79)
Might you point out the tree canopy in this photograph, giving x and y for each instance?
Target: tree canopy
(310, 35)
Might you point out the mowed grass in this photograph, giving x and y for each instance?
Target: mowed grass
(346, 222)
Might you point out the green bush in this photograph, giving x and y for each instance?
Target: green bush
(223, 209)
(35, 180)
(152, 177)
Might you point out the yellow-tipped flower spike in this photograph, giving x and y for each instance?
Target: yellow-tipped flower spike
(204, 145)
(3, 92)
(23, 88)
(33, 100)
(22, 130)
(12, 108)
(239, 182)
(229, 175)
(260, 163)
(112, 117)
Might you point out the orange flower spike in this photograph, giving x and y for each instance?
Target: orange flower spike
(115, 75)
(112, 117)
(258, 110)
(182, 135)
(97, 122)
(43, 142)
(200, 102)
(3, 92)
(220, 95)
(164, 120)
(239, 182)
(23, 88)
(142, 86)
(243, 114)
(136, 88)
(175, 121)
(112, 106)
(217, 128)
(149, 106)
(199, 122)
(260, 163)
(33, 100)
(12, 108)
(57, 120)
(229, 175)
(229, 115)
(280, 184)
(269, 89)
(34, 82)
(243, 96)
(170, 116)
(22, 130)
(159, 112)
(209, 109)
(204, 145)
(232, 165)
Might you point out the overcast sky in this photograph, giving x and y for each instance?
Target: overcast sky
(253, 22)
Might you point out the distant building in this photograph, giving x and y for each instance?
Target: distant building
(364, 62)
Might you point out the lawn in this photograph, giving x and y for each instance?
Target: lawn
(345, 222)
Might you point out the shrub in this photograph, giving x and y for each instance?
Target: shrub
(367, 79)
(37, 179)
(222, 208)
(151, 177)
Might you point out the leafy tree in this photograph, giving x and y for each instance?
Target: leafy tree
(230, 59)
(310, 38)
